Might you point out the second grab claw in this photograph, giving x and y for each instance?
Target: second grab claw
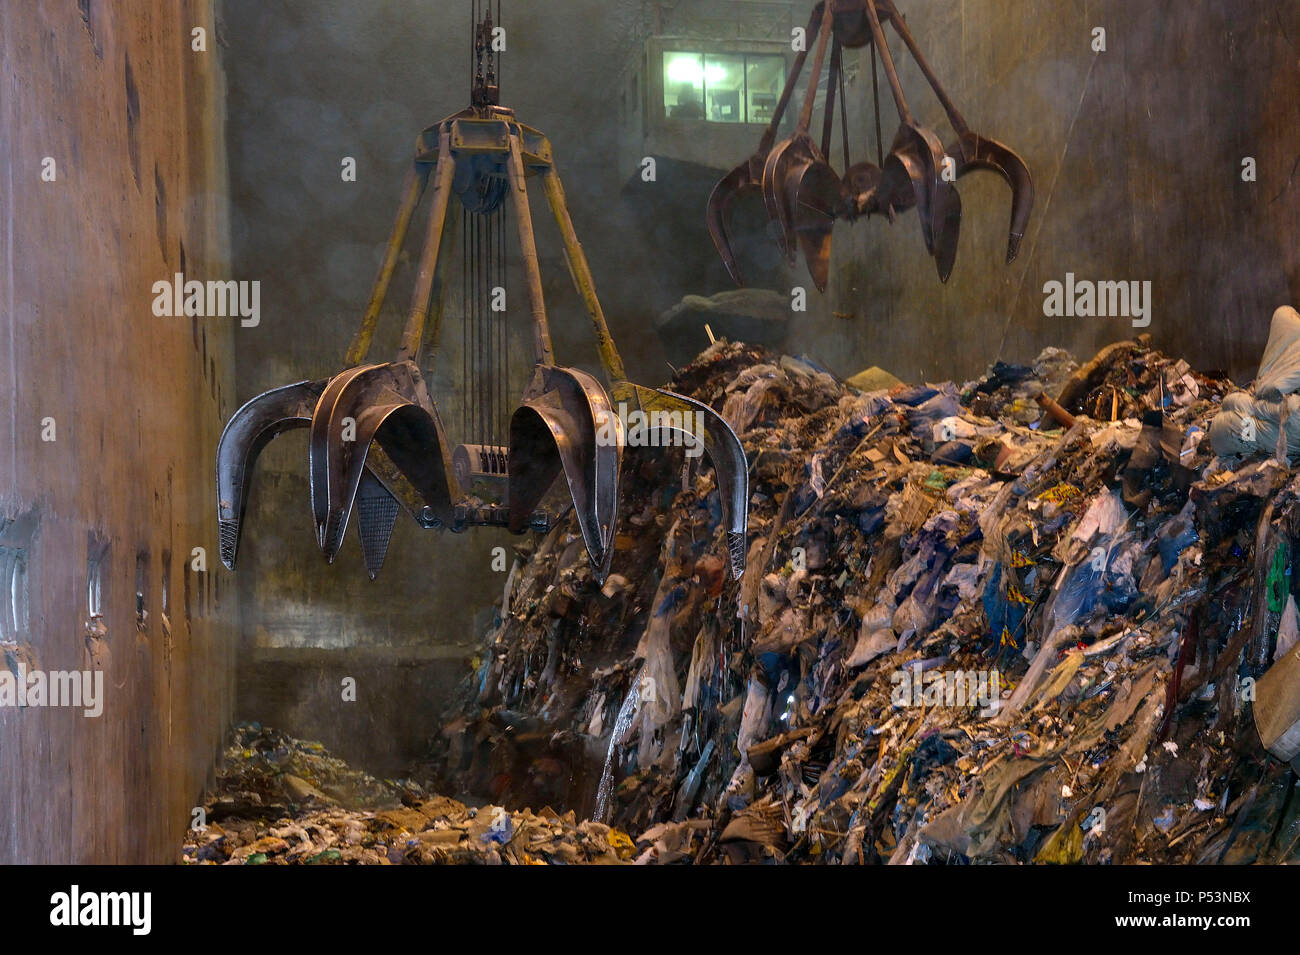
(804, 194)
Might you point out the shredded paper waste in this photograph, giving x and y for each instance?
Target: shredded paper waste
(284, 801)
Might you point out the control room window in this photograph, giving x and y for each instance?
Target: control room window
(722, 88)
(684, 85)
(764, 80)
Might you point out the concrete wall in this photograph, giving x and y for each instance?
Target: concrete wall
(133, 119)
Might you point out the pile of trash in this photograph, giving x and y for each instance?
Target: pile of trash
(284, 801)
(1015, 620)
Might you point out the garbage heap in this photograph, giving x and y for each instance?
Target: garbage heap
(278, 800)
(976, 625)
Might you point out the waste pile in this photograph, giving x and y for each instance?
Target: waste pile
(278, 800)
(1014, 620)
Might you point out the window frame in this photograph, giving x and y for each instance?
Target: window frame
(746, 57)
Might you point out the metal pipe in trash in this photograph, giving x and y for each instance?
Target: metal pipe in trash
(1058, 414)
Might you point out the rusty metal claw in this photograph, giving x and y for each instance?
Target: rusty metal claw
(568, 426)
(972, 151)
(750, 175)
(905, 173)
(387, 405)
(247, 432)
(253, 426)
(803, 196)
(864, 192)
(918, 157)
(775, 173)
(800, 187)
(947, 230)
(731, 187)
(818, 200)
(377, 444)
(689, 422)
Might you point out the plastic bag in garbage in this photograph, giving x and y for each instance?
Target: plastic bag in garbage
(1251, 422)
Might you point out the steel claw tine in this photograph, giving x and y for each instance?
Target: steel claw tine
(249, 430)
(720, 444)
(802, 193)
(327, 442)
(569, 427)
(775, 175)
(869, 191)
(412, 440)
(377, 510)
(818, 196)
(973, 151)
(732, 186)
(940, 188)
(344, 476)
(921, 154)
(384, 404)
(947, 230)
(905, 166)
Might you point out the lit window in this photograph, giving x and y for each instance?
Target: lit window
(722, 88)
(724, 78)
(764, 81)
(684, 85)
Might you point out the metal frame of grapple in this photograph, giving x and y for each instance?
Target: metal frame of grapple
(399, 455)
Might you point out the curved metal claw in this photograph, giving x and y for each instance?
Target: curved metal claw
(864, 192)
(407, 432)
(817, 201)
(375, 404)
(972, 151)
(803, 196)
(918, 157)
(569, 425)
(947, 229)
(692, 422)
(249, 430)
(902, 185)
(731, 187)
(776, 172)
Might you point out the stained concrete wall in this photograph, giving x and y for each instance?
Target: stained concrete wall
(132, 118)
